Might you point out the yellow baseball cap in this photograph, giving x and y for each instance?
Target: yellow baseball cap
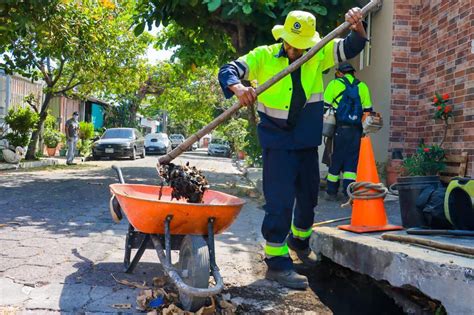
(299, 30)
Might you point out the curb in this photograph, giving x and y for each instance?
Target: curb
(252, 174)
(29, 164)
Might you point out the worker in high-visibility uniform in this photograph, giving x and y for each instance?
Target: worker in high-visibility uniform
(348, 132)
(289, 131)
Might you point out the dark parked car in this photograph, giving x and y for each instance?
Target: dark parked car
(119, 142)
(218, 147)
(157, 143)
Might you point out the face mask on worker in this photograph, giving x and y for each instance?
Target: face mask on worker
(76, 117)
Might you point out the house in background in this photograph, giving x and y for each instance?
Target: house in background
(13, 89)
(62, 108)
(93, 110)
(417, 48)
(149, 125)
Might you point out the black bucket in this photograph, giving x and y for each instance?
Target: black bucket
(409, 188)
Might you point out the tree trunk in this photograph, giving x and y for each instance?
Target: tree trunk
(38, 133)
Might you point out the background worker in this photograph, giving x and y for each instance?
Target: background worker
(72, 135)
(289, 131)
(350, 98)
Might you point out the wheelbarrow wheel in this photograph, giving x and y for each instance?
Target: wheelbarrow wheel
(195, 270)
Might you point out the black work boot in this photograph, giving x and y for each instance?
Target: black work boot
(288, 278)
(304, 256)
(330, 197)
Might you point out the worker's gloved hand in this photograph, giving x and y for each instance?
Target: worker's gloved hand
(246, 95)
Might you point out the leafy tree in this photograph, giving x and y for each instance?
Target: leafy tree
(77, 49)
(192, 99)
(211, 32)
(235, 131)
(120, 115)
(17, 18)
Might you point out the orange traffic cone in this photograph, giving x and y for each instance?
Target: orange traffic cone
(368, 215)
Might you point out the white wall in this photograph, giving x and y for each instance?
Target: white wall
(378, 74)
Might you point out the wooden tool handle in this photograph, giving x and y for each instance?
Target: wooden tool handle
(165, 159)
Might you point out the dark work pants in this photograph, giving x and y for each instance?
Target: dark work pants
(288, 176)
(345, 157)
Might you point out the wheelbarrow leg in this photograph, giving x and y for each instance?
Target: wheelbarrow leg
(128, 246)
(168, 238)
(210, 244)
(129, 266)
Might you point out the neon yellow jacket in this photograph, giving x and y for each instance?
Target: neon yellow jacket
(332, 94)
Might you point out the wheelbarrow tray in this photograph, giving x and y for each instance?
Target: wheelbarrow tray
(147, 214)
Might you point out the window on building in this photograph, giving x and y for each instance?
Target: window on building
(364, 57)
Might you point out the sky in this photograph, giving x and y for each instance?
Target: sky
(154, 55)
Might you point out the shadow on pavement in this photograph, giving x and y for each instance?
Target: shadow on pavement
(92, 287)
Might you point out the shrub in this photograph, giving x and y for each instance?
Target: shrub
(84, 147)
(22, 122)
(235, 131)
(86, 130)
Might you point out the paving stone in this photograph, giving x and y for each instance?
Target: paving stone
(39, 241)
(11, 293)
(21, 252)
(109, 296)
(27, 273)
(67, 298)
(8, 262)
(7, 244)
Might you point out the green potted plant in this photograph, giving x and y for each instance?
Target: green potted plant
(51, 139)
(421, 169)
(63, 145)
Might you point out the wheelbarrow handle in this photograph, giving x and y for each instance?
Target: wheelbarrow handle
(178, 281)
(119, 173)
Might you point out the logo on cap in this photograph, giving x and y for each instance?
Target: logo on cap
(297, 25)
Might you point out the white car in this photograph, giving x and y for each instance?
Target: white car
(176, 139)
(157, 143)
(219, 147)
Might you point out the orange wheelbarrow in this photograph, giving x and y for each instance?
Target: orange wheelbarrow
(166, 225)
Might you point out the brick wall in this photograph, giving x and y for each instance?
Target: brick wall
(432, 52)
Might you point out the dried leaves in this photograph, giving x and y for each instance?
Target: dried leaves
(186, 182)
